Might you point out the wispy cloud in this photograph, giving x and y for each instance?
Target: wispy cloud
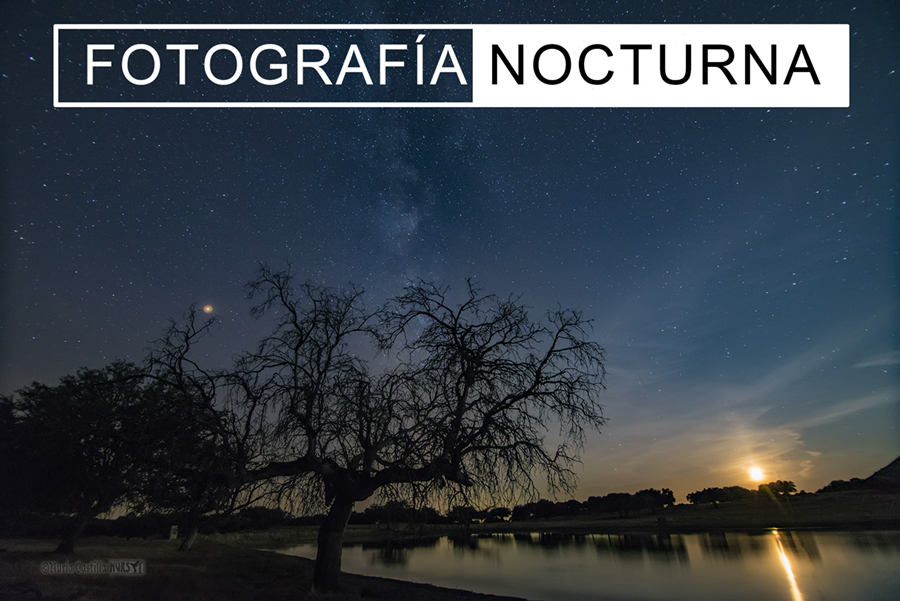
(832, 413)
(695, 450)
(882, 360)
(689, 435)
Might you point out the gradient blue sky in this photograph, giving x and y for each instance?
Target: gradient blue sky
(740, 264)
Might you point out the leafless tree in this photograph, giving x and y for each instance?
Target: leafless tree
(218, 428)
(474, 397)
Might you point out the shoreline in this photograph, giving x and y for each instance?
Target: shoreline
(235, 567)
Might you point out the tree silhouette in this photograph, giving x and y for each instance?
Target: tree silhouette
(721, 495)
(462, 402)
(83, 446)
(779, 488)
(653, 499)
(215, 427)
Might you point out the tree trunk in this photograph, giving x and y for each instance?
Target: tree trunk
(189, 539)
(328, 555)
(67, 545)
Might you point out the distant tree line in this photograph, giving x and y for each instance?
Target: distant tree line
(717, 495)
(853, 484)
(623, 504)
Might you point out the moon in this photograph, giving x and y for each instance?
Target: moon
(208, 309)
(756, 474)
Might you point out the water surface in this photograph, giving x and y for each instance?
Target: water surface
(773, 565)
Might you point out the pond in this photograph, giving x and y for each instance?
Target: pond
(771, 565)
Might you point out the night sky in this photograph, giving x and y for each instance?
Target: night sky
(741, 265)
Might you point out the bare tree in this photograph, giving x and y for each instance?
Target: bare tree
(216, 430)
(467, 398)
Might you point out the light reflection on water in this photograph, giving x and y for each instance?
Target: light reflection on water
(796, 595)
(793, 566)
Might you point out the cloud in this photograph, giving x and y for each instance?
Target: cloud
(884, 359)
(695, 435)
(682, 417)
(840, 410)
(692, 447)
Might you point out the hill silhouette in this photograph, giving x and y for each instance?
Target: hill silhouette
(886, 477)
